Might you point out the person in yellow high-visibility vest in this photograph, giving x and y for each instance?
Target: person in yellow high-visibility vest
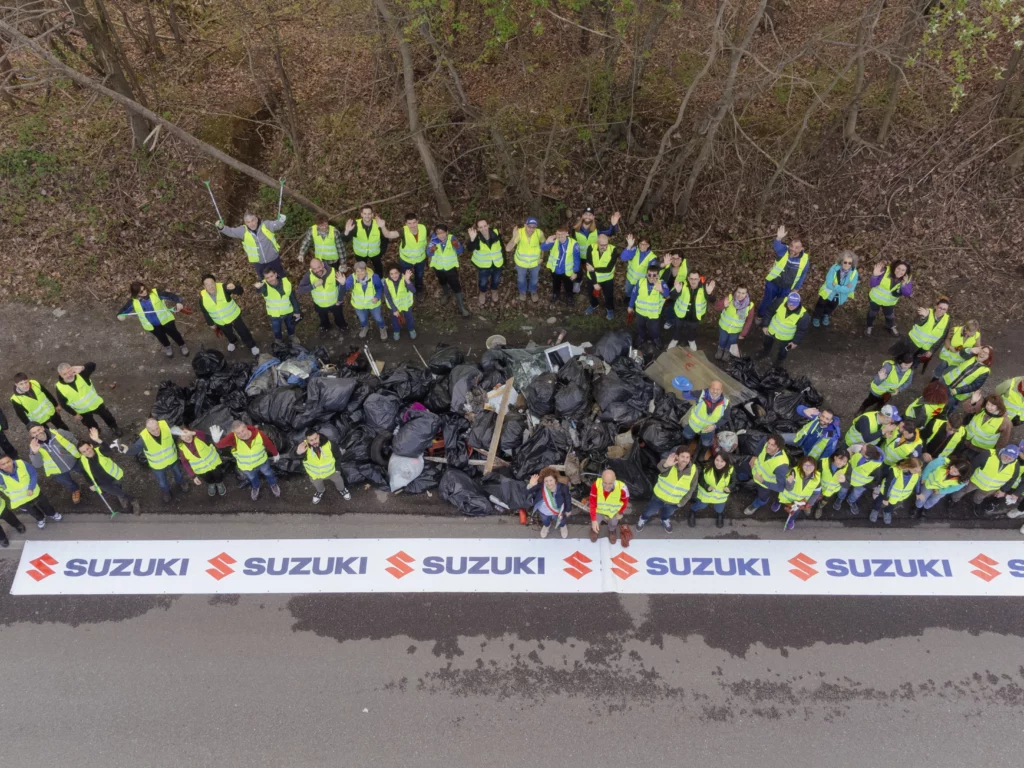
(892, 378)
(788, 321)
(77, 394)
(787, 275)
(1012, 392)
(20, 485)
(156, 443)
(282, 302)
(733, 322)
(328, 244)
(319, 458)
(802, 491)
(444, 251)
(957, 346)
(366, 294)
(648, 298)
(715, 482)
(525, 244)
(486, 252)
(927, 334)
(33, 402)
(563, 261)
(703, 417)
(691, 303)
(323, 283)
(399, 293)
(258, 242)
(888, 284)
(104, 474)
(899, 483)
(369, 236)
(150, 307)
(217, 300)
(599, 263)
(609, 498)
(413, 239)
(674, 487)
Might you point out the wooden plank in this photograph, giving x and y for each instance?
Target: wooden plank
(496, 437)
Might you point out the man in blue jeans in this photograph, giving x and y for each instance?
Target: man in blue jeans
(250, 447)
(367, 291)
(787, 274)
(282, 302)
(525, 244)
(161, 451)
(702, 419)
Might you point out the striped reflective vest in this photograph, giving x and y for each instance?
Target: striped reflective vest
(528, 249)
(16, 486)
(252, 248)
(780, 266)
(586, 240)
(894, 380)
(765, 466)
(853, 435)
(966, 373)
(926, 334)
(636, 267)
(901, 486)
(160, 452)
(983, 430)
(1013, 400)
(939, 479)
(201, 457)
(896, 449)
(682, 305)
(163, 314)
(37, 405)
(555, 257)
(106, 464)
(862, 469)
(673, 485)
(730, 320)
(326, 294)
(279, 298)
(367, 245)
(930, 411)
(445, 256)
(649, 299)
(604, 266)
(400, 294)
(700, 416)
(81, 395)
(832, 478)
(784, 323)
(325, 247)
(250, 455)
(714, 490)
(50, 466)
(822, 442)
(319, 467)
(610, 504)
(887, 292)
(993, 474)
(411, 250)
(364, 295)
(221, 309)
(802, 490)
(958, 343)
(488, 255)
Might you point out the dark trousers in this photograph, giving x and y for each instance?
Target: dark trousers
(6, 448)
(238, 327)
(162, 332)
(214, 476)
(873, 402)
(608, 289)
(12, 520)
(324, 313)
(275, 264)
(888, 312)
(449, 278)
(769, 340)
(39, 508)
(685, 330)
(89, 419)
(648, 329)
(825, 307)
(417, 271)
(115, 490)
(56, 422)
(560, 283)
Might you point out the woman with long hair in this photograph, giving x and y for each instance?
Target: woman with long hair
(888, 284)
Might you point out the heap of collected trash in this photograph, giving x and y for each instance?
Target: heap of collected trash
(416, 427)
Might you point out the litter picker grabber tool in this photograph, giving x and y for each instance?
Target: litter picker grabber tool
(280, 199)
(105, 502)
(214, 199)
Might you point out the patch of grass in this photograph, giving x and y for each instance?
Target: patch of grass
(52, 288)
(591, 324)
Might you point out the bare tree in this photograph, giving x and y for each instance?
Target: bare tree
(909, 32)
(153, 41)
(865, 30)
(172, 20)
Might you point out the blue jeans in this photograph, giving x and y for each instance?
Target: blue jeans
(771, 293)
(364, 317)
(288, 321)
(660, 507)
(764, 495)
(526, 278)
(163, 476)
(417, 271)
(253, 475)
(409, 324)
(488, 278)
(546, 519)
(706, 438)
(726, 340)
(699, 505)
(852, 494)
(931, 498)
(65, 478)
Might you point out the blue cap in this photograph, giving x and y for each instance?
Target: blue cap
(793, 299)
(532, 222)
(1010, 451)
(891, 411)
(682, 384)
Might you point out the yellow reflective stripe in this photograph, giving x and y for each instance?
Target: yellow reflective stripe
(364, 295)
(417, 251)
(322, 466)
(247, 456)
(367, 244)
(717, 491)
(400, 296)
(730, 320)
(609, 505)
(983, 430)
(325, 248)
(528, 249)
(682, 305)
(16, 486)
(649, 300)
(279, 299)
(672, 486)
(326, 294)
(159, 454)
(783, 324)
(221, 309)
(444, 256)
(205, 458)
(37, 407)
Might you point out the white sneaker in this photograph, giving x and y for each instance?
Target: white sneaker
(673, 344)
(693, 346)
(317, 497)
(58, 516)
(667, 327)
(383, 334)
(231, 347)
(363, 331)
(545, 531)
(1014, 514)
(564, 530)
(1022, 529)
(41, 523)
(254, 350)
(346, 496)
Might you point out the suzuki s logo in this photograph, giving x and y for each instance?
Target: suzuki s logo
(983, 567)
(623, 567)
(577, 565)
(42, 567)
(221, 566)
(802, 567)
(400, 562)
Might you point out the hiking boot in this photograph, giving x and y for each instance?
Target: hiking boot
(222, 489)
(254, 494)
(412, 334)
(613, 538)
(545, 531)
(640, 524)
(837, 504)
(887, 517)
(609, 315)
(593, 536)
(462, 305)
(750, 510)
(76, 496)
(692, 519)
(720, 354)
(184, 349)
(19, 528)
(211, 489)
(231, 347)
(317, 496)
(482, 299)
(4, 542)
(818, 509)
(254, 351)
(383, 334)
(720, 520)
(168, 351)
(363, 331)
(873, 517)
(522, 297)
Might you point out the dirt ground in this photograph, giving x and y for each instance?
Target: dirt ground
(131, 366)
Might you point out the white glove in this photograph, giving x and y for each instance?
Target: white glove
(276, 459)
(216, 433)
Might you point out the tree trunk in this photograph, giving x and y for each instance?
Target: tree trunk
(1011, 87)
(444, 208)
(640, 56)
(154, 43)
(6, 73)
(289, 99)
(908, 34)
(148, 115)
(96, 36)
(865, 30)
(172, 19)
(725, 104)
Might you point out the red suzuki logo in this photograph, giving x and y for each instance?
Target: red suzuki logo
(400, 561)
(802, 567)
(623, 567)
(42, 567)
(578, 565)
(983, 567)
(221, 566)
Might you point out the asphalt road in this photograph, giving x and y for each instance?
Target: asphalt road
(497, 680)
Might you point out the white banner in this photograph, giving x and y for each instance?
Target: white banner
(520, 566)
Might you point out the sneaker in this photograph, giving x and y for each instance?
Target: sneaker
(816, 323)
(640, 524)
(276, 490)
(166, 496)
(589, 310)
(873, 517)
(254, 351)
(20, 528)
(545, 531)
(184, 349)
(533, 298)
(894, 331)
(231, 347)
(1015, 513)
(887, 517)
(346, 495)
(613, 538)
(135, 507)
(363, 331)
(383, 335)
(854, 508)
(666, 327)
(750, 510)
(719, 354)
(826, 320)
(867, 331)
(522, 297)
(396, 336)
(818, 509)
(693, 346)
(609, 315)
(667, 525)
(5, 543)
(76, 496)
(563, 532)
(673, 344)
(776, 506)
(837, 504)
(222, 489)
(211, 490)
(57, 516)
(791, 522)
(254, 494)
(317, 497)
(412, 334)
(168, 351)
(41, 524)
(482, 300)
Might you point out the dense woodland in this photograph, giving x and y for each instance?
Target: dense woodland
(894, 127)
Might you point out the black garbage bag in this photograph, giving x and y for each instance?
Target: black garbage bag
(742, 369)
(572, 402)
(232, 378)
(279, 438)
(410, 384)
(200, 399)
(548, 445)
(330, 395)
(380, 411)
(608, 389)
(660, 436)
(509, 491)
(455, 431)
(368, 384)
(461, 380)
(237, 401)
(641, 389)
(637, 470)
(512, 433)
(621, 414)
(278, 407)
(445, 358)
(492, 379)
(613, 345)
(596, 436)
(415, 435)
(343, 424)
(576, 372)
(810, 395)
(284, 350)
(670, 408)
(751, 442)
(329, 430)
(737, 418)
(359, 472)
(439, 400)
(495, 360)
(207, 362)
(355, 446)
(428, 479)
(463, 492)
(170, 402)
(289, 464)
(219, 415)
(784, 405)
(540, 394)
(482, 430)
(776, 380)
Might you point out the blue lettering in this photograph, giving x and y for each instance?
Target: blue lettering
(835, 566)
(449, 568)
(166, 567)
(765, 570)
(857, 573)
(255, 566)
(912, 572)
(344, 565)
(1016, 568)
(479, 565)
(748, 566)
(540, 566)
(522, 565)
(684, 571)
(927, 568)
(300, 566)
(92, 569)
(657, 566)
(703, 566)
(184, 567)
(882, 567)
(323, 570)
(721, 571)
(433, 565)
(274, 571)
(504, 570)
(75, 567)
(122, 566)
(946, 569)
(137, 571)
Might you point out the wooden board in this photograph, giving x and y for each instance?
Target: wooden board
(680, 361)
